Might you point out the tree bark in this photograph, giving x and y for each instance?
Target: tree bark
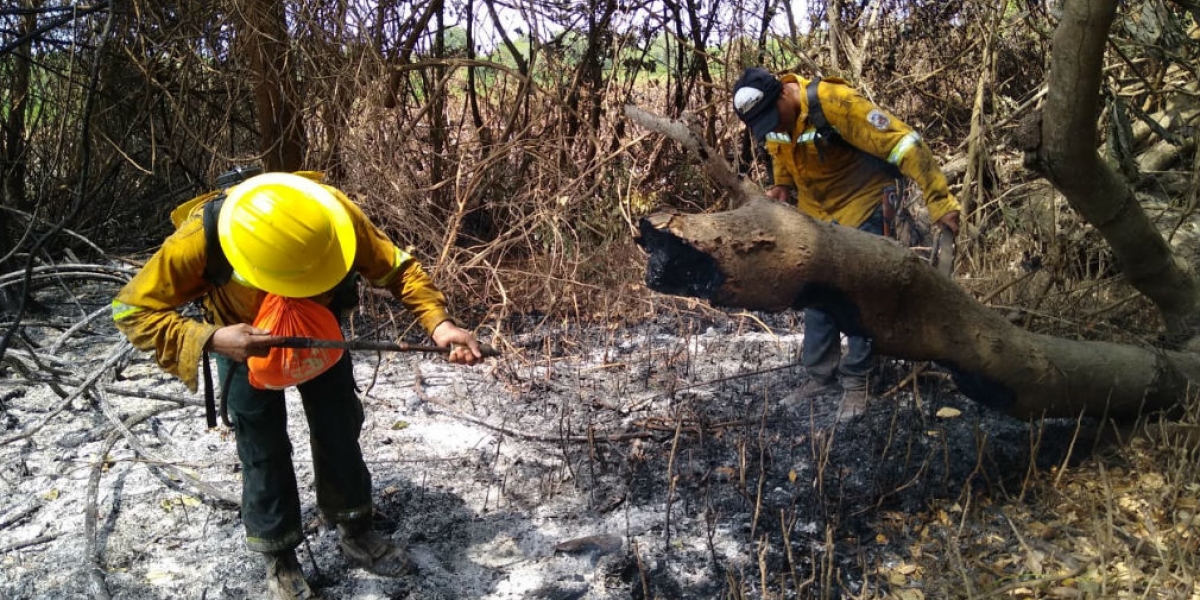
(834, 17)
(767, 256)
(282, 137)
(13, 159)
(13, 162)
(1067, 157)
(692, 139)
(519, 113)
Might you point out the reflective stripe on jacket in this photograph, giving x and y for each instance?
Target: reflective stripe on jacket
(146, 309)
(836, 183)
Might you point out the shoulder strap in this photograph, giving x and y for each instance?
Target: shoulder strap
(217, 270)
(828, 134)
(816, 114)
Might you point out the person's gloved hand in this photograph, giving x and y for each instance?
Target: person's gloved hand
(464, 348)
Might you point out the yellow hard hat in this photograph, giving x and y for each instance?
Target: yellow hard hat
(287, 235)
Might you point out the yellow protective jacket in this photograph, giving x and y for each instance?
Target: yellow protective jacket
(145, 310)
(836, 183)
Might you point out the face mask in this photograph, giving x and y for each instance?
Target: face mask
(781, 138)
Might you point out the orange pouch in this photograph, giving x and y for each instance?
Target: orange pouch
(285, 367)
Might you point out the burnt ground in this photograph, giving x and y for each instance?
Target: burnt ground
(590, 462)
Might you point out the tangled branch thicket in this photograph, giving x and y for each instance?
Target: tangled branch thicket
(489, 137)
(498, 152)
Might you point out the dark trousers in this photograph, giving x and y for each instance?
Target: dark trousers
(270, 500)
(821, 351)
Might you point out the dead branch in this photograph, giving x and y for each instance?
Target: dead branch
(41, 539)
(201, 486)
(119, 354)
(143, 394)
(91, 553)
(18, 515)
(102, 312)
(576, 439)
(115, 274)
(742, 190)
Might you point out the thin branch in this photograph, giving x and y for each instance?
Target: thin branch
(122, 351)
(77, 12)
(201, 486)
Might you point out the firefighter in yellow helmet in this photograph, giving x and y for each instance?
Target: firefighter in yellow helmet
(844, 157)
(291, 236)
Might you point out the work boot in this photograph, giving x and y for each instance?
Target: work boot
(369, 550)
(285, 579)
(854, 401)
(814, 386)
(817, 386)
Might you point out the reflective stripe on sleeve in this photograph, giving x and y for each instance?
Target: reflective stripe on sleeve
(121, 311)
(807, 137)
(401, 257)
(902, 147)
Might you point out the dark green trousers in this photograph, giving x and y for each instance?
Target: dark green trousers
(270, 500)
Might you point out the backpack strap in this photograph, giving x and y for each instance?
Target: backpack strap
(816, 116)
(827, 134)
(210, 404)
(217, 269)
(217, 272)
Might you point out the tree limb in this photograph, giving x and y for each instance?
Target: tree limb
(1067, 157)
(742, 190)
(767, 256)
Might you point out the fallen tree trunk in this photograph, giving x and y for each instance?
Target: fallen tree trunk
(767, 256)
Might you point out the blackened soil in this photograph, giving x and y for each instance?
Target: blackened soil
(668, 459)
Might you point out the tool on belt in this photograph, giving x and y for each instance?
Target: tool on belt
(942, 256)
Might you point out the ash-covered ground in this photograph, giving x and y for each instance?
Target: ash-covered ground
(662, 460)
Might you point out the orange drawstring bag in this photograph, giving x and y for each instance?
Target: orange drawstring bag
(285, 367)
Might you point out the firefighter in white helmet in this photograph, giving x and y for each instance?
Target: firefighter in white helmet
(845, 159)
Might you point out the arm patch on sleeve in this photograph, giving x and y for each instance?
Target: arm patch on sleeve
(879, 120)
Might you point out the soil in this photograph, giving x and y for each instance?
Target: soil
(667, 459)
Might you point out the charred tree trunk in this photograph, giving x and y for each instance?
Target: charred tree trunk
(584, 99)
(767, 256)
(436, 92)
(764, 28)
(481, 128)
(1066, 155)
(13, 165)
(276, 97)
(415, 28)
(13, 160)
(701, 28)
(677, 102)
(519, 113)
